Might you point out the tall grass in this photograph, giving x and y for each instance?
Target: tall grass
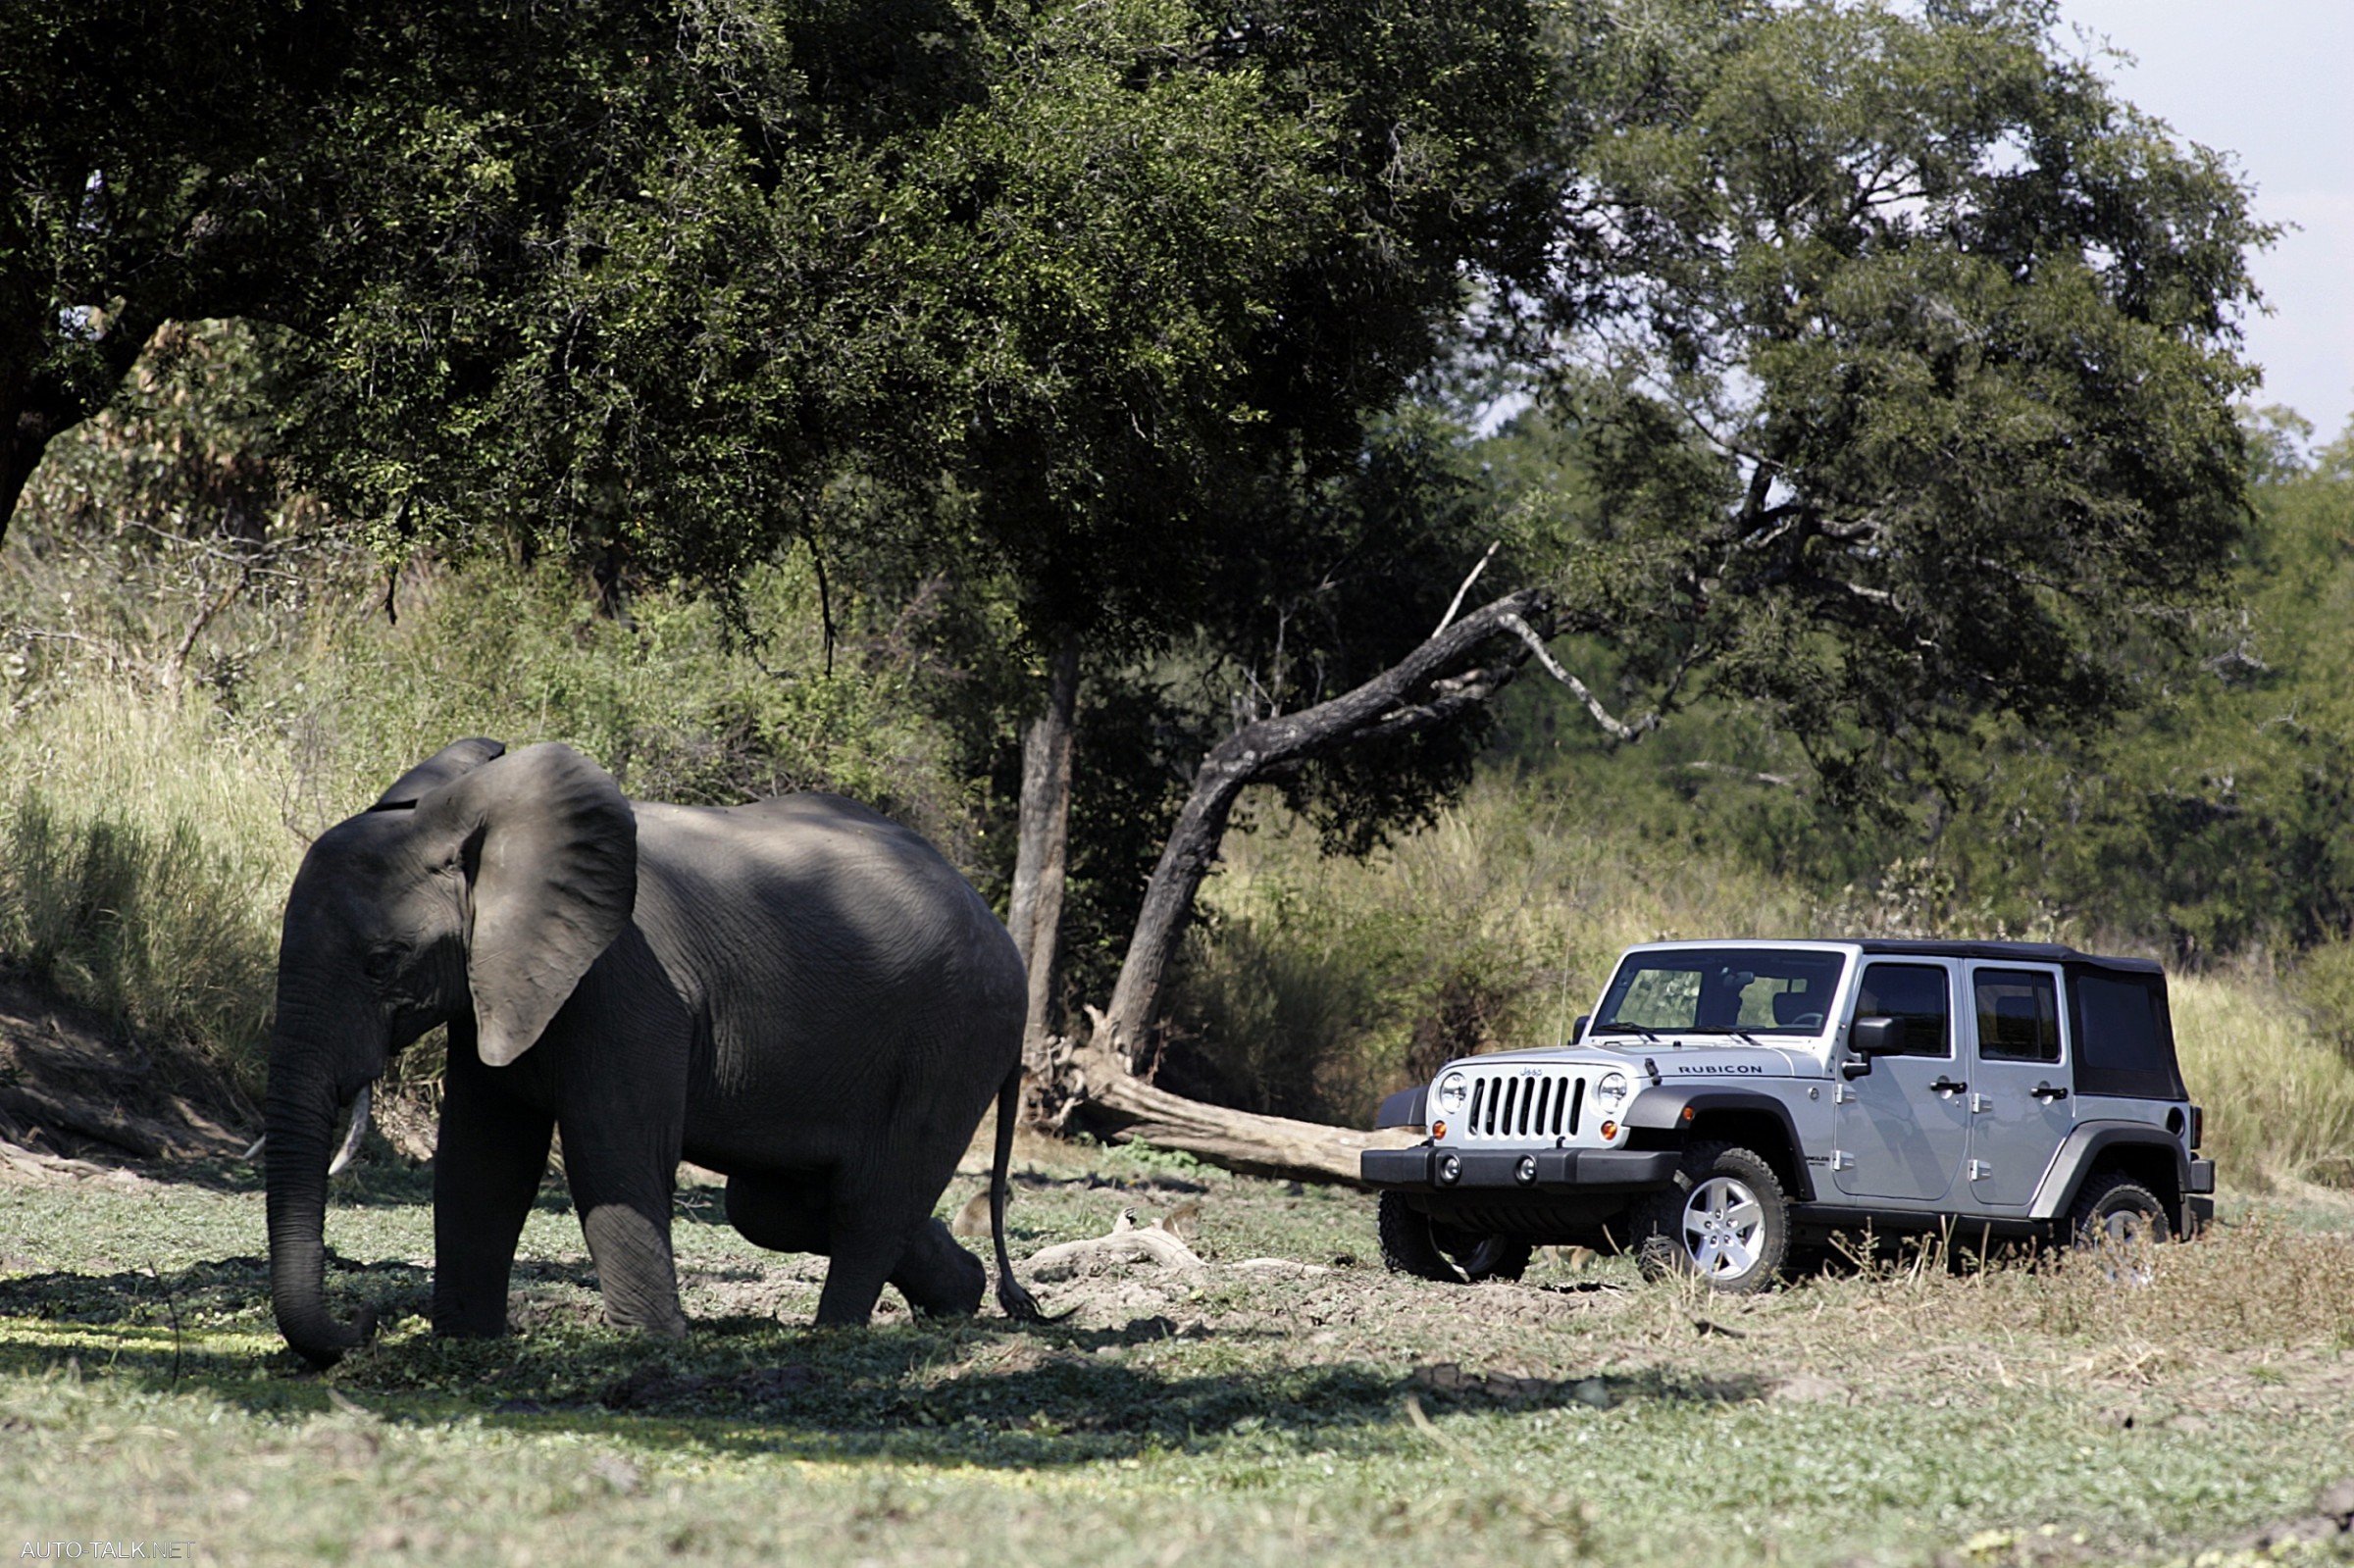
(2279, 1098)
(142, 858)
(1314, 986)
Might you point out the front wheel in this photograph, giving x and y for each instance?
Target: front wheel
(1728, 1223)
(1413, 1243)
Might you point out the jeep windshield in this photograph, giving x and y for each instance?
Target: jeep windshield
(1720, 991)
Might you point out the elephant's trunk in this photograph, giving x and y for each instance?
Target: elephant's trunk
(301, 1118)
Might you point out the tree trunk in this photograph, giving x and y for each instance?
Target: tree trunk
(1042, 855)
(1095, 1082)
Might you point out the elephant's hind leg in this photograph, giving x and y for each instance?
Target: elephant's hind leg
(792, 1214)
(876, 1223)
(939, 1278)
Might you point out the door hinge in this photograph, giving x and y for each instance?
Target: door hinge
(1980, 1102)
(1979, 1170)
(1842, 1160)
(1841, 1093)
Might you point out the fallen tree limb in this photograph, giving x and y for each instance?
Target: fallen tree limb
(1107, 1099)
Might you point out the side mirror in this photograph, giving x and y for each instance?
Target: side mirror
(1577, 1031)
(1869, 1037)
(1876, 1037)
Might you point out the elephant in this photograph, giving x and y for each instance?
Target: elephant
(798, 993)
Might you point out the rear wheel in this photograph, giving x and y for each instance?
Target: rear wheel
(1728, 1223)
(1413, 1243)
(2118, 1221)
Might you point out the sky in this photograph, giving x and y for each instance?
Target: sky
(2265, 81)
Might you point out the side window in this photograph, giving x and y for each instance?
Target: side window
(2018, 1015)
(1919, 994)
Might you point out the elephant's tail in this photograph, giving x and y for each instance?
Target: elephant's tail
(1017, 1301)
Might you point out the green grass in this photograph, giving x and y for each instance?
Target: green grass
(1252, 1413)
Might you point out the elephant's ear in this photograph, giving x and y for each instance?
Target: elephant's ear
(443, 767)
(552, 860)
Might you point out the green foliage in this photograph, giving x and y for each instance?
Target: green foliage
(2207, 818)
(155, 172)
(1911, 399)
(679, 703)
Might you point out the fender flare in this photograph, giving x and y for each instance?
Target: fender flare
(1406, 1109)
(2084, 1144)
(1662, 1110)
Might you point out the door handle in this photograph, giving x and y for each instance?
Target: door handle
(1946, 1085)
(2047, 1092)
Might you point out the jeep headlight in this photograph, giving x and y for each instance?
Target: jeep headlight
(1454, 1089)
(1612, 1089)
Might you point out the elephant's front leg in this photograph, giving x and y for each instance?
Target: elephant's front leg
(492, 1152)
(621, 1159)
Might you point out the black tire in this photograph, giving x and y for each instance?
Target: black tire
(1413, 1243)
(1727, 1223)
(2117, 1220)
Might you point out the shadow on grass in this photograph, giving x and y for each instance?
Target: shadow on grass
(979, 1393)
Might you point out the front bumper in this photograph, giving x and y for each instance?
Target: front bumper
(1553, 1170)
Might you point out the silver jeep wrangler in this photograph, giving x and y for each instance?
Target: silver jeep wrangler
(1729, 1102)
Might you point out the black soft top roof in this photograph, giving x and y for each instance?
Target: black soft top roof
(2017, 952)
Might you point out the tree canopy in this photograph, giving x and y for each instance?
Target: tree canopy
(1911, 393)
(155, 168)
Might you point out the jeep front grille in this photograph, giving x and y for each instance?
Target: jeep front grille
(1524, 1105)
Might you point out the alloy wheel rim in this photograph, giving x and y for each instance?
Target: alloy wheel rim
(1723, 1227)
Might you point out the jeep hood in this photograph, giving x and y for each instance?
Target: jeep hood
(1678, 1058)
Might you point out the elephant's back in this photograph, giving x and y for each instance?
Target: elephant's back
(837, 889)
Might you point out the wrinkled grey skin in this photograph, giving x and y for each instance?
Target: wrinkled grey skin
(798, 993)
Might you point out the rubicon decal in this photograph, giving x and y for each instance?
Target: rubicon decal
(1739, 1069)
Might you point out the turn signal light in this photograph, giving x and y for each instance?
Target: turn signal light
(1437, 1129)
(1609, 1129)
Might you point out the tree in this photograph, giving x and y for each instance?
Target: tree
(156, 170)
(1914, 398)
(1908, 403)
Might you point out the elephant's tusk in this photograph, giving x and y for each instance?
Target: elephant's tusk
(359, 1130)
(255, 1152)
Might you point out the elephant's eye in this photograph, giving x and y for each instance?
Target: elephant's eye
(382, 963)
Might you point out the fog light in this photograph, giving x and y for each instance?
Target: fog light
(1526, 1170)
(1450, 1170)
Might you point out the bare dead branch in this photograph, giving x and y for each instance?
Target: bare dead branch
(1456, 603)
(1611, 724)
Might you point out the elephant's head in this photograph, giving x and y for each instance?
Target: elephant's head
(480, 886)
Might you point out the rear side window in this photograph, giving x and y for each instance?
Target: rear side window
(2018, 1015)
(1918, 994)
(2125, 1037)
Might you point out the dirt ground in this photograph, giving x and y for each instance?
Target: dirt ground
(82, 1102)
